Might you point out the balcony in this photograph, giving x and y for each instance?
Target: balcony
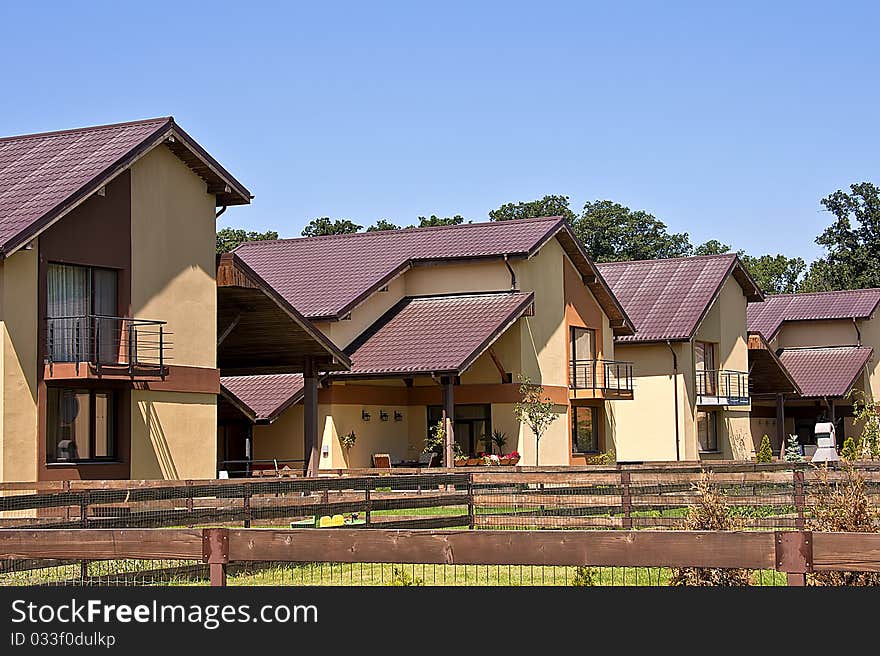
(722, 387)
(606, 379)
(103, 346)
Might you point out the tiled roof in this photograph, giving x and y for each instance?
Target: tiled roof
(264, 396)
(667, 298)
(767, 317)
(434, 333)
(326, 277)
(827, 371)
(44, 175)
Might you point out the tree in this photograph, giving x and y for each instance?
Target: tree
(765, 452)
(712, 247)
(229, 238)
(612, 232)
(328, 226)
(775, 274)
(434, 220)
(382, 224)
(852, 241)
(793, 449)
(546, 206)
(535, 410)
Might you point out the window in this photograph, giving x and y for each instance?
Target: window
(585, 429)
(77, 298)
(583, 356)
(472, 426)
(707, 430)
(81, 425)
(704, 362)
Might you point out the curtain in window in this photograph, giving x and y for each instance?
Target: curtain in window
(68, 303)
(107, 328)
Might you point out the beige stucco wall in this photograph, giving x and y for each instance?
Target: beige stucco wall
(173, 435)
(18, 366)
(173, 233)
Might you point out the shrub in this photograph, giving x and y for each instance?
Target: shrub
(793, 450)
(348, 440)
(865, 413)
(436, 440)
(843, 506)
(400, 577)
(765, 452)
(709, 513)
(606, 458)
(849, 452)
(585, 577)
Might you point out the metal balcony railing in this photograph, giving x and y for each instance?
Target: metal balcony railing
(139, 345)
(722, 387)
(608, 376)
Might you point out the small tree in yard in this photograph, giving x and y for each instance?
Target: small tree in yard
(793, 450)
(843, 507)
(865, 412)
(765, 452)
(709, 513)
(535, 410)
(849, 451)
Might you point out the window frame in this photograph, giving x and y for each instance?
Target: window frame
(594, 412)
(711, 431)
(113, 405)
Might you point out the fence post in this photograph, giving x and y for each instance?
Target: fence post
(246, 502)
(626, 499)
(66, 487)
(84, 523)
(799, 498)
(367, 503)
(215, 552)
(794, 555)
(189, 502)
(470, 493)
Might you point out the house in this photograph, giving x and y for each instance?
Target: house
(108, 303)
(436, 322)
(827, 342)
(691, 357)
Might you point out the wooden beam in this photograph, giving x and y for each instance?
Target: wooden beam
(102, 544)
(310, 418)
(498, 365)
(448, 419)
(780, 422)
(229, 329)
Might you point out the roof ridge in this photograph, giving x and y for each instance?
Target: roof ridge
(87, 128)
(670, 259)
(534, 219)
(831, 291)
(827, 347)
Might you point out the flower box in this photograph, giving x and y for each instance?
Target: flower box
(474, 461)
(505, 461)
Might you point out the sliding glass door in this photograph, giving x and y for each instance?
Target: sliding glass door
(81, 306)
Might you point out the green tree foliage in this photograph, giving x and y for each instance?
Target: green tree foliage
(382, 224)
(327, 226)
(712, 247)
(612, 232)
(775, 274)
(852, 241)
(793, 449)
(434, 220)
(546, 206)
(848, 452)
(535, 410)
(229, 238)
(765, 452)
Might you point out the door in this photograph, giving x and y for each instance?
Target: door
(583, 359)
(704, 362)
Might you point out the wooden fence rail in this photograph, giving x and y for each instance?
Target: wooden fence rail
(795, 553)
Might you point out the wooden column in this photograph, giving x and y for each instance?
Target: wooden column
(310, 417)
(448, 419)
(780, 423)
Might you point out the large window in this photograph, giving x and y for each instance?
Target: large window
(704, 360)
(585, 429)
(707, 430)
(80, 425)
(77, 298)
(472, 426)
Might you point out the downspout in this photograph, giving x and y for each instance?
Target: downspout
(218, 214)
(512, 273)
(858, 332)
(675, 393)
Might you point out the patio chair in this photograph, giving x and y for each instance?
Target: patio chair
(382, 460)
(427, 459)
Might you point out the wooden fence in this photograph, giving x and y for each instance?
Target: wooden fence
(795, 553)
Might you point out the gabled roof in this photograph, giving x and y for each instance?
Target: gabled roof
(767, 317)
(43, 176)
(666, 299)
(263, 398)
(326, 277)
(434, 334)
(826, 371)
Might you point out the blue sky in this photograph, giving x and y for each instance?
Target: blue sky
(727, 122)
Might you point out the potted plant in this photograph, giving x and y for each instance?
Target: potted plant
(471, 461)
(499, 439)
(459, 458)
(512, 458)
(493, 459)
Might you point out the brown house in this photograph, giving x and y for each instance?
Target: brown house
(108, 302)
(438, 320)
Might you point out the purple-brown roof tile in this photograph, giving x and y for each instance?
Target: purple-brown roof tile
(326, 277)
(826, 371)
(265, 397)
(767, 317)
(434, 334)
(666, 299)
(43, 175)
